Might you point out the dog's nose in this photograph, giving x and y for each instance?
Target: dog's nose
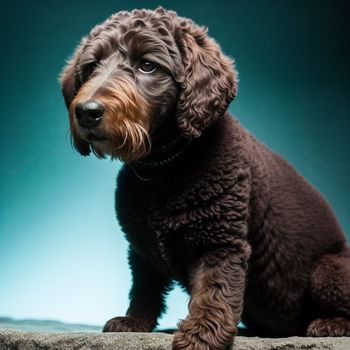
(89, 113)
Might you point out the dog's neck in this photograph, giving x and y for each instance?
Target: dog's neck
(168, 144)
(164, 154)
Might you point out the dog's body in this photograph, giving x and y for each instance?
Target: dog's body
(230, 192)
(207, 205)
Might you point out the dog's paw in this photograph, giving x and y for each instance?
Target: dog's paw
(184, 341)
(125, 324)
(329, 327)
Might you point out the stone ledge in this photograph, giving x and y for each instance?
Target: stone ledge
(13, 340)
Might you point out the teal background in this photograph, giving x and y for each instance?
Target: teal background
(62, 254)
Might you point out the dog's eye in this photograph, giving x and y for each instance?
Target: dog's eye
(147, 66)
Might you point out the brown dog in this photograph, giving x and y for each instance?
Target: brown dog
(199, 199)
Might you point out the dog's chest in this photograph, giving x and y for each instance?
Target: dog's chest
(173, 226)
(158, 228)
(150, 226)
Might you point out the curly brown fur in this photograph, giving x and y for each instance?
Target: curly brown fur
(200, 200)
(216, 302)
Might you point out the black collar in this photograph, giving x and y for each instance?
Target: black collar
(164, 155)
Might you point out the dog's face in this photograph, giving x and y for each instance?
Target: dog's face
(137, 71)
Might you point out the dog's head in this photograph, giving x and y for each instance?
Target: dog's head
(134, 73)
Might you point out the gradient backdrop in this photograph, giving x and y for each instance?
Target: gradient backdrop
(62, 255)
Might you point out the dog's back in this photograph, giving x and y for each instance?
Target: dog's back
(293, 229)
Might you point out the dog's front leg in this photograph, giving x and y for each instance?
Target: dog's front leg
(146, 298)
(217, 289)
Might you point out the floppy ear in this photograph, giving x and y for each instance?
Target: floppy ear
(209, 81)
(68, 77)
(69, 85)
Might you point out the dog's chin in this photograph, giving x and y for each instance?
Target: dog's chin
(101, 147)
(105, 148)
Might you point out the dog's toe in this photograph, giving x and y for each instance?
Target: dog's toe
(329, 327)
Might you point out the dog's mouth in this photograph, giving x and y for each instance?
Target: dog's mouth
(127, 142)
(95, 138)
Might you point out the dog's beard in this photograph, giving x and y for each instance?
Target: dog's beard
(123, 131)
(127, 141)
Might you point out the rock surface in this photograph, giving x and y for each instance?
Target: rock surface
(10, 340)
(44, 326)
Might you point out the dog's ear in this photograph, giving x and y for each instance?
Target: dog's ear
(209, 81)
(69, 84)
(69, 76)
